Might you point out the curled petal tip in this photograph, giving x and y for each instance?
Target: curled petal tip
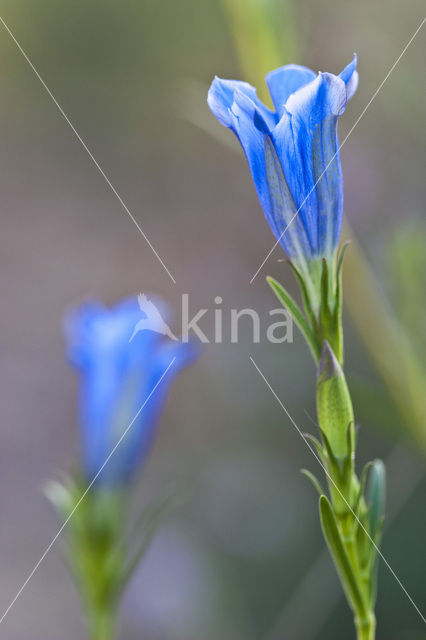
(349, 75)
(218, 101)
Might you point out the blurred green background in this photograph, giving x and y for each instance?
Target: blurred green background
(244, 558)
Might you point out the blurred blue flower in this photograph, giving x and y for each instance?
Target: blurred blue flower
(119, 368)
(289, 149)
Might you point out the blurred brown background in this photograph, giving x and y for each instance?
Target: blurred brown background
(233, 563)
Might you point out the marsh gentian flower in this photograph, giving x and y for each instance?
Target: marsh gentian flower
(119, 368)
(289, 149)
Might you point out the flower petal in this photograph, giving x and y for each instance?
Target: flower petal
(251, 129)
(248, 124)
(306, 143)
(293, 155)
(221, 97)
(119, 370)
(282, 215)
(286, 80)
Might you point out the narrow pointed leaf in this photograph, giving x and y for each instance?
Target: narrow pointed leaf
(304, 294)
(60, 497)
(340, 259)
(340, 556)
(330, 455)
(314, 481)
(363, 481)
(376, 497)
(146, 525)
(317, 446)
(287, 301)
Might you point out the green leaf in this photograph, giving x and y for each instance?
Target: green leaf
(341, 559)
(376, 508)
(363, 481)
(376, 497)
(305, 295)
(314, 480)
(144, 529)
(60, 496)
(340, 260)
(287, 301)
(317, 446)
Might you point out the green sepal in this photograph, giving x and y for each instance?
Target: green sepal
(287, 301)
(95, 549)
(100, 553)
(314, 481)
(330, 312)
(340, 557)
(325, 312)
(94, 546)
(337, 313)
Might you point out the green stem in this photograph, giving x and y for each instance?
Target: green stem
(366, 629)
(365, 623)
(102, 625)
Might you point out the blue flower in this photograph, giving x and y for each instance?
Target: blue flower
(119, 369)
(289, 150)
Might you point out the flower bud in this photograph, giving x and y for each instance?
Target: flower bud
(334, 406)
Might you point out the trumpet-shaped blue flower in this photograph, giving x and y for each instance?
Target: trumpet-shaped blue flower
(293, 152)
(120, 368)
